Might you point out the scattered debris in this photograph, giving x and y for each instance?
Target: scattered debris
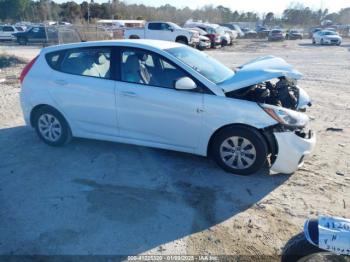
(334, 129)
(339, 173)
(341, 145)
(344, 204)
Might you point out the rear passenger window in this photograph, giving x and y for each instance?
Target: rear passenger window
(94, 62)
(53, 59)
(155, 26)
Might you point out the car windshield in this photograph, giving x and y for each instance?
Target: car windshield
(330, 33)
(175, 26)
(202, 63)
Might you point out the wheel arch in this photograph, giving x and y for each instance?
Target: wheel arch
(41, 106)
(134, 37)
(266, 133)
(181, 37)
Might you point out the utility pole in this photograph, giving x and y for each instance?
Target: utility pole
(88, 13)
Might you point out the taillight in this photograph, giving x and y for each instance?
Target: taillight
(26, 69)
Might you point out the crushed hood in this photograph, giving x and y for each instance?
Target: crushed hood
(259, 70)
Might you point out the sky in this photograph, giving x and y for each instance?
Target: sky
(260, 6)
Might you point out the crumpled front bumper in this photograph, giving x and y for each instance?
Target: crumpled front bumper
(292, 149)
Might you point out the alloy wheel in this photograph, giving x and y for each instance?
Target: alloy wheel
(50, 127)
(238, 152)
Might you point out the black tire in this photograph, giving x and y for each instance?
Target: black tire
(22, 41)
(65, 134)
(181, 41)
(321, 42)
(298, 247)
(224, 42)
(251, 135)
(313, 41)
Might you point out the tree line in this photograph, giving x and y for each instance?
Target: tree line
(43, 10)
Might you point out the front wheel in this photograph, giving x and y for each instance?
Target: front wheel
(322, 42)
(51, 127)
(239, 150)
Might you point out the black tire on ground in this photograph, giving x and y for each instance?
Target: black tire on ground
(22, 41)
(322, 42)
(298, 247)
(313, 41)
(224, 42)
(134, 37)
(250, 134)
(66, 134)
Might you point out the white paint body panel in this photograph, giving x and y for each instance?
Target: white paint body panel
(145, 115)
(291, 148)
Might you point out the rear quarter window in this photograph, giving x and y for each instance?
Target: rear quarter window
(54, 59)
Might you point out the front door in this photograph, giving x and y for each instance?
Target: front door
(150, 109)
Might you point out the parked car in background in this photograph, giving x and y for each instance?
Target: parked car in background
(234, 27)
(262, 31)
(276, 35)
(37, 34)
(225, 38)
(160, 30)
(212, 33)
(7, 31)
(326, 37)
(204, 41)
(249, 33)
(232, 33)
(168, 95)
(293, 34)
(313, 30)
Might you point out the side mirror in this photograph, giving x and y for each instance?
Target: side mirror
(171, 29)
(185, 83)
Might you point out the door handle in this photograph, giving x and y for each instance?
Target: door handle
(128, 93)
(60, 82)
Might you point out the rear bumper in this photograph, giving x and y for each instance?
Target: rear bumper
(292, 149)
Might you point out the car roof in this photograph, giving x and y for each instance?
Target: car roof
(145, 43)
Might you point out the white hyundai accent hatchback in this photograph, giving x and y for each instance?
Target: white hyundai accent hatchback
(167, 95)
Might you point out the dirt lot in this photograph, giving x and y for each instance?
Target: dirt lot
(94, 197)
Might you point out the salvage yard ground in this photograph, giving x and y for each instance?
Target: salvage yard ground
(93, 197)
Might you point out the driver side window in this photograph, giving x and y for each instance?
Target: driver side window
(147, 68)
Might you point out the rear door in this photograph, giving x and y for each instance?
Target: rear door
(37, 35)
(159, 31)
(83, 87)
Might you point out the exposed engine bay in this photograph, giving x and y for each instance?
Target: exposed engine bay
(283, 93)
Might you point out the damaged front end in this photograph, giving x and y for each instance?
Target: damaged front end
(281, 92)
(272, 83)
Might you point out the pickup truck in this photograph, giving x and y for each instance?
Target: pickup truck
(163, 31)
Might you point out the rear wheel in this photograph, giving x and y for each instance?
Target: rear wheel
(22, 41)
(322, 42)
(313, 41)
(239, 150)
(181, 41)
(51, 127)
(224, 42)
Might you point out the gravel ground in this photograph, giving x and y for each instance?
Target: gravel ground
(94, 197)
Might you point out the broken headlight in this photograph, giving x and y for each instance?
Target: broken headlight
(285, 116)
